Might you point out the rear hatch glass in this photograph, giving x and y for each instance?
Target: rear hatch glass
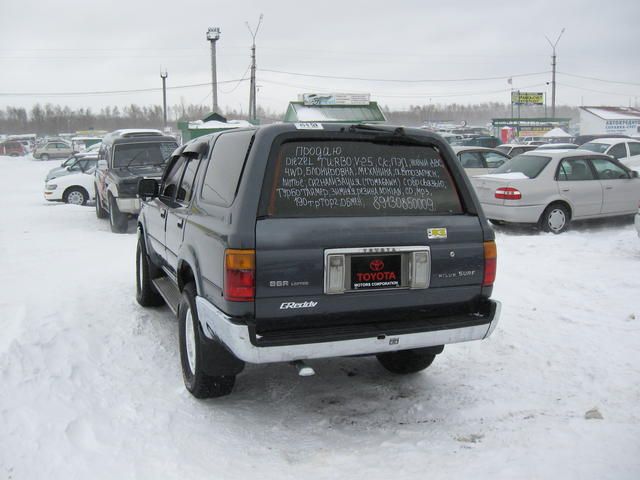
(358, 178)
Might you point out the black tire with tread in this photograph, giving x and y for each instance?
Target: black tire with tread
(543, 223)
(81, 190)
(118, 220)
(405, 361)
(199, 384)
(146, 293)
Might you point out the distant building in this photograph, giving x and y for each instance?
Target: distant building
(334, 108)
(212, 123)
(615, 120)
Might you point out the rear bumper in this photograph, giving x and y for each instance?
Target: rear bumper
(237, 338)
(512, 213)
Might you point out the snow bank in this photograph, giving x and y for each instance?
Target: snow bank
(91, 385)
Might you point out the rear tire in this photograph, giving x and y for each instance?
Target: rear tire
(100, 211)
(405, 361)
(146, 293)
(555, 219)
(118, 220)
(192, 355)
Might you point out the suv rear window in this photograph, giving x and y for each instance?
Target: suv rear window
(152, 153)
(359, 178)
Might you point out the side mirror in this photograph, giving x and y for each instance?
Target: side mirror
(634, 174)
(148, 188)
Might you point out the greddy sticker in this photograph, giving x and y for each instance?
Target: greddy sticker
(436, 233)
(309, 126)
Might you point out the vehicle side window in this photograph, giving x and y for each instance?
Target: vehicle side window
(574, 169)
(188, 179)
(225, 167)
(170, 185)
(493, 159)
(471, 160)
(607, 170)
(618, 151)
(634, 148)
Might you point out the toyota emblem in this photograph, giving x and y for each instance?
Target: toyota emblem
(376, 265)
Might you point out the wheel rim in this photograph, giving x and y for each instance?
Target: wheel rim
(75, 198)
(556, 219)
(190, 341)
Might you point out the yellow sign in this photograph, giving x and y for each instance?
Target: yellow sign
(527, 98)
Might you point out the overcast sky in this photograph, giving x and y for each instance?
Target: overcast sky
(73, 47)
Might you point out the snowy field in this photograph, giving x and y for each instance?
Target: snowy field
(90, 384)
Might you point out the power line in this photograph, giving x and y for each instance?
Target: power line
(390, 95)
(111, 92)
(477, 79)
(598, 91)
(599, 79)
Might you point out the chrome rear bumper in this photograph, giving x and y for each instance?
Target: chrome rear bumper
(237, 339)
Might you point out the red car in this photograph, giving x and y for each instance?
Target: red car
(12, 148)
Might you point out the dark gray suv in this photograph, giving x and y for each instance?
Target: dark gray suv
(291, 242)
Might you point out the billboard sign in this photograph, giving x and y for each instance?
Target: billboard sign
(527, 98)
(335, 98)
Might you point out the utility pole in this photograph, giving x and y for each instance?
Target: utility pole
(163, 76)
(553, 76)
(252, 88)
(213, 35)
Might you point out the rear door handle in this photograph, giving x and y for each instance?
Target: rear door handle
(163, 213)
(180, 223)
(566, 189)
(608, 188)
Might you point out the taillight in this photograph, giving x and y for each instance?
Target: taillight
(490, 263)
(508, 193)
(240, 275)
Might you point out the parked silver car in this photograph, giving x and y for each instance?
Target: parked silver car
(480, 160)
(552, 187)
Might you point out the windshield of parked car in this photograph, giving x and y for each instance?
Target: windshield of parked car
(529, 165)
(359, 178)
(595, 147)
(136, 154)
(69, 161)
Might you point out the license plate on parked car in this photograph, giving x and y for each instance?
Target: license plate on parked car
(370, 272)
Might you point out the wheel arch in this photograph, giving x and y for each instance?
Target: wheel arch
(187, 271)
(564, 203)
(75, 187)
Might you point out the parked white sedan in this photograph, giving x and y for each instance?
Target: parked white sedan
(550, 188)
(76, 188)
(626, 150)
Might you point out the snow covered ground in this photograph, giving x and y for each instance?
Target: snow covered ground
(90, 385)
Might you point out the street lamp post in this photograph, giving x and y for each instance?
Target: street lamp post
(213, 35)
(163, 76)
(553, 76)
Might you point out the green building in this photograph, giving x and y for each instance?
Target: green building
(212, 123)
(334, 108)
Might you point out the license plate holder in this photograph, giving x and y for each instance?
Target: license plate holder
(376, 272)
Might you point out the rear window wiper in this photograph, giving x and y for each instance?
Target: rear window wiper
(398, 131)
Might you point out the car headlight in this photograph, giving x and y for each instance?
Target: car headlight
(51, 186)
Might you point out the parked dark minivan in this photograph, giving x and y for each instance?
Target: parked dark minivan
(292, 242)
